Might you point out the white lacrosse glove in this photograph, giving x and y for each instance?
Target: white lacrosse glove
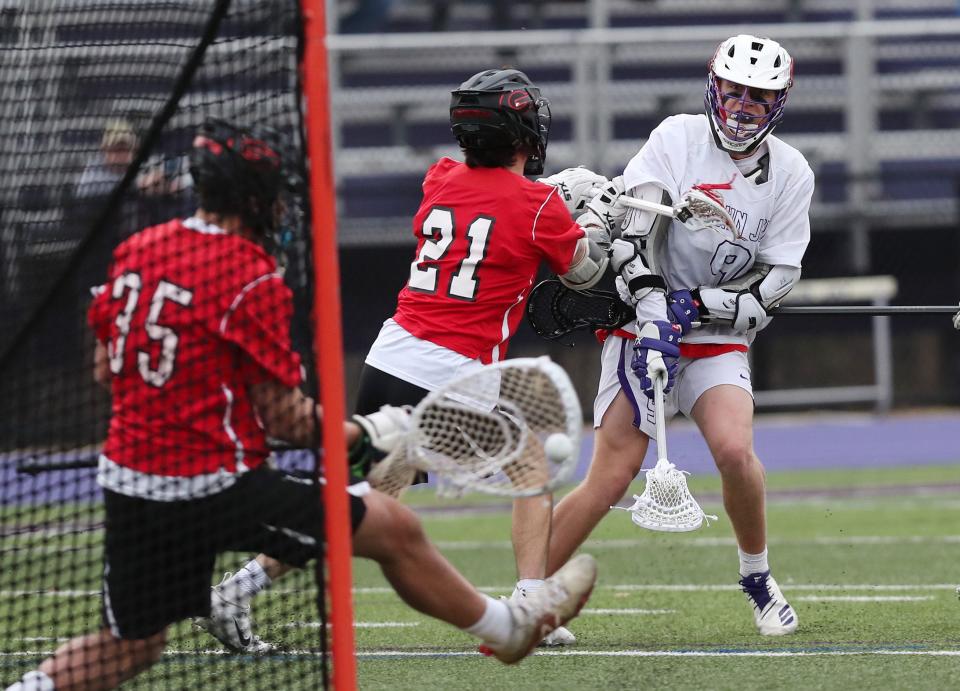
(577, 186)
(749, 314)
(636, 279)
(380, 433)
(701, 208)
(956, 321)
(386, 427)
(604, 211)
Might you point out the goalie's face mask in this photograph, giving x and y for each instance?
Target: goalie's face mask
(498, 109)
(746, 91)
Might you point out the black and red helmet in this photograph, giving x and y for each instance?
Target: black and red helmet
(502, 109)
(237, 170)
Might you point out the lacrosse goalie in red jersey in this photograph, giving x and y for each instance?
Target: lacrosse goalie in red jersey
(192, 339)
(711, 283)
(482, 231)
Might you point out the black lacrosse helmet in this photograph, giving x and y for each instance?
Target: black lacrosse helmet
(238, 170)
(502, 109)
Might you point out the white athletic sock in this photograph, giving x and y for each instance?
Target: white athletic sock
(247, 582)
(529, 586)
(496, 624)
(753, 563)
(33, 681)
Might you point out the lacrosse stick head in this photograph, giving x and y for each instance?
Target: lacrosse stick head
(666, 504)
(704, 208)
(486, 431)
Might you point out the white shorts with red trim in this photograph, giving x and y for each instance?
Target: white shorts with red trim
(694, 376)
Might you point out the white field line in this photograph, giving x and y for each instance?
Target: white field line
(356, 624)
(452, 545)
(640, 587)
(864, 598)
(627, 611)
(703, 542)
(243, 659)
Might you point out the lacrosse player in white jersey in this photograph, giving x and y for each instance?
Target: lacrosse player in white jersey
(702, 287)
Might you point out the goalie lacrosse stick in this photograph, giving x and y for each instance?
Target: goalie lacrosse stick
(511, 428)
(666, 504)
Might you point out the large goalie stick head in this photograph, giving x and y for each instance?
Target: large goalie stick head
(511, 428)
(757, 63)
(554, 310)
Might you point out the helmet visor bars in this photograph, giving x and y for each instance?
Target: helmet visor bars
(739, 115)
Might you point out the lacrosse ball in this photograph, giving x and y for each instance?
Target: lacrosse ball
(558, 447)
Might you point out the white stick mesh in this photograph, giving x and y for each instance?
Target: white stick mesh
(486, 431)
(666, 503)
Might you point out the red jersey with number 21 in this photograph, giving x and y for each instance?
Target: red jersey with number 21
(481, 236)
(191, 316)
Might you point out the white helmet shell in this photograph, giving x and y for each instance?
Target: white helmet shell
(755, 62)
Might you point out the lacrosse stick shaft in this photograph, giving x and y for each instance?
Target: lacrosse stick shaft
(644, 205)
(868, 310)
(661, 417)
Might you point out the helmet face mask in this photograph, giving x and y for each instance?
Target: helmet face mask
(746, 91)
(502, 109)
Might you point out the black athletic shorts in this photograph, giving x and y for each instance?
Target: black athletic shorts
(159, 556)
(377, 388)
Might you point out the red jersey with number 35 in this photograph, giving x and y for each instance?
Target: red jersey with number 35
(481, 236)
(191, 316)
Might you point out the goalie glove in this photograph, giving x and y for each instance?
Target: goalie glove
(604, 211)
(576, 186)
(380, 433)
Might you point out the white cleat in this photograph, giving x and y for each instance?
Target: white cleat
(560, 636)
(230, 624)
(772, 613)
(539, 613)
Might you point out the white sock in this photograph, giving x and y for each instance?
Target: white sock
(247, 582)
(753, 563)
(528, 586)
(33, 681)
(496, 624)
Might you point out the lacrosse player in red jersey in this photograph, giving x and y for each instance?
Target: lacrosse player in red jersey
(193, 341)
(709, 279)
(482, 231)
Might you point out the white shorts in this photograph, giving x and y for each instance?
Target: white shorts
(694, 376)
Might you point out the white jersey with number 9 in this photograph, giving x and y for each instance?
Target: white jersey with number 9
(770, 209)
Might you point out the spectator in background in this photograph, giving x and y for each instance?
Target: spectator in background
(117, 148)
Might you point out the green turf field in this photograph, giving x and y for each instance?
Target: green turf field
(870, 561)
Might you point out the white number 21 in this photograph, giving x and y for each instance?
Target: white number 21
(438, 234)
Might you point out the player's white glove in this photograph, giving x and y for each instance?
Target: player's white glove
(749, 314)
(577, 186)
(637, 279)
(380, 433)
(603, 210)
(956, 321)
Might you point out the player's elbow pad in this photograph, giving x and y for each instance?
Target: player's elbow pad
(588, 266)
